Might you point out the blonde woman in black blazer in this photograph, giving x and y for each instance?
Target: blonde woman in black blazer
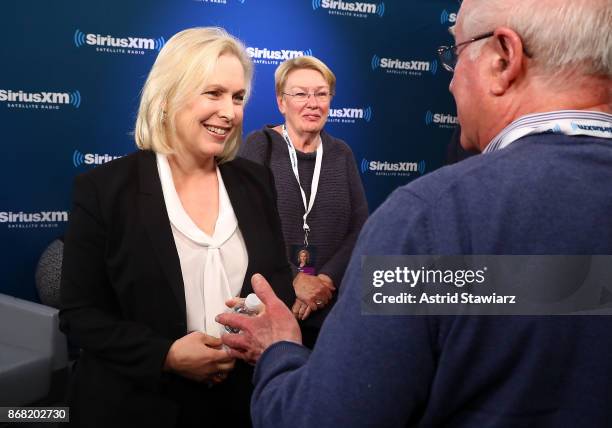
(124, 276)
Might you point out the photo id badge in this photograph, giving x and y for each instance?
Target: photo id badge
(304, 258)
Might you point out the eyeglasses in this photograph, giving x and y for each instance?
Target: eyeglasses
(302, 97)
(449, 54)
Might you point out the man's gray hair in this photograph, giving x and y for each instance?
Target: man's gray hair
(561, 35)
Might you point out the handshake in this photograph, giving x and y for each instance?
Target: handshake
(273, 323)
(203, 358)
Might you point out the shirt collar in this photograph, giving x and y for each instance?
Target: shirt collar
(226, 220)
(537, 123)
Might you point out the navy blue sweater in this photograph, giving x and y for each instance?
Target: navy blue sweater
(546, 194)
(340, 207)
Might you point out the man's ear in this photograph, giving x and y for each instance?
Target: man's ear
(508, 59)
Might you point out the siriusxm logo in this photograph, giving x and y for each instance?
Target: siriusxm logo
(448, 18)
(21, 220)
(42, 100)
(591, 128)
(392, 168)
(398, 66)
(269, 56)
(441, 119)
(349, 115)
(79, 158)
(110, 44)
(352, 9)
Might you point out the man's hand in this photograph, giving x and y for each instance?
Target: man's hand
(273, 324)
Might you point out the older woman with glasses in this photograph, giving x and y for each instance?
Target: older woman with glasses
(320, 196)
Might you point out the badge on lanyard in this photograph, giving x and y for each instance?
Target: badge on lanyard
(304, 258)
(299, 253)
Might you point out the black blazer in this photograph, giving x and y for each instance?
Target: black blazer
(122, 292)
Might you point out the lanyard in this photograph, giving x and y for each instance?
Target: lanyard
(315, 178)
(566, 122)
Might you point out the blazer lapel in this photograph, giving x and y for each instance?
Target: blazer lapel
(239, 199)
(155, 219)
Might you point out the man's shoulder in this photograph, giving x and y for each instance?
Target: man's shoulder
(472, 175)
(443, 188)
(436, 184)
(524, 171)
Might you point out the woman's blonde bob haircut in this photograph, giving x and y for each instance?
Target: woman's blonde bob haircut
(300, 63)
(181, 71)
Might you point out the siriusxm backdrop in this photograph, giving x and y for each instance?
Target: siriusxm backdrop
(72, 71)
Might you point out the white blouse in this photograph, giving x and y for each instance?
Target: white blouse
(213, 267)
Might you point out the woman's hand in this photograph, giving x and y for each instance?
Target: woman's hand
(234, 301)
(311, 290)
(300, 310)
(198, 356)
